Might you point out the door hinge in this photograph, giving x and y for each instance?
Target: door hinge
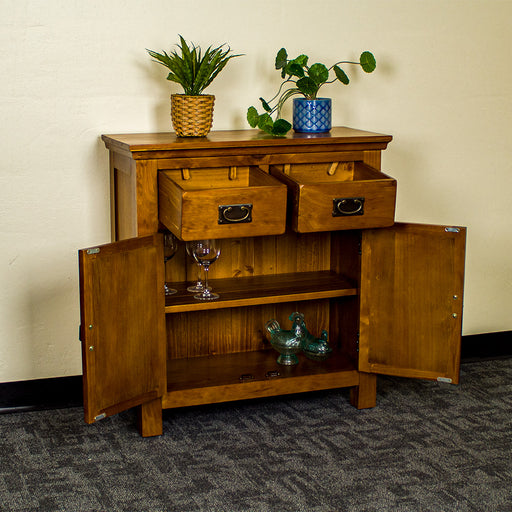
(95, 250)
(452, 230)
(100, 416)
(357, 342)
(444, 379)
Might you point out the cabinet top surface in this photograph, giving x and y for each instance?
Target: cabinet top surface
(168, 141)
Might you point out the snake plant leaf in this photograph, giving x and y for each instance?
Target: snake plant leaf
(173, 78)
(217, 61)
(161, 58)
(281, 58)
(192, 68)
(252, 117)
(281, 127)
(265, 105)
(308, 87)
(341, 75)
(367, 61)
(319, 73)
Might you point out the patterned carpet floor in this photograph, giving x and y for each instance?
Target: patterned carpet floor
(427, 446)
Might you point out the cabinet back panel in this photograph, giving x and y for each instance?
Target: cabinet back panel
(241, 257)
(227, 331)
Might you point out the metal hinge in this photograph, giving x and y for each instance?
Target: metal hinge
(452, 230)
(100, 417)
(357, 342)
(444, 379)
(95, 250)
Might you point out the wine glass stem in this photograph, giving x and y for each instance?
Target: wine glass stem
(199, 276)
(206, 268)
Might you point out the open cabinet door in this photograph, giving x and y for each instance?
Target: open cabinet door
(122, 330)
(412, 279)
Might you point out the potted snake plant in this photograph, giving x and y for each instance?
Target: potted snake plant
(194, 70)
(311, 114)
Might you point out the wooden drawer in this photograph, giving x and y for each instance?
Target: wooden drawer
(336, 196)
(223, 202)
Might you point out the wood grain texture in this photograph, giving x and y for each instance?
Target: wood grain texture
(123, 197)
(411, 301)
(142, 143)
(390, 299)
(313, 187)
(217, 379)
(123, 334)
(147, 197)
(364, 396)
(259, 290)
(149, 418)
(190, 207)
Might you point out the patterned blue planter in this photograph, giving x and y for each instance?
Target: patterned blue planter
(312, 116)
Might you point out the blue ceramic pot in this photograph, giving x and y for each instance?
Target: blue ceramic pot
(312, 116)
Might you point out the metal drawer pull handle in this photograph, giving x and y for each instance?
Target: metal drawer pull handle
(343, 206)
(235, 213)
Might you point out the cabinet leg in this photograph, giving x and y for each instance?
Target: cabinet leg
(364, 396)
(150, 418)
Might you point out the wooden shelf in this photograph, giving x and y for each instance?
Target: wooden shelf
(271, 289)
(201, 380)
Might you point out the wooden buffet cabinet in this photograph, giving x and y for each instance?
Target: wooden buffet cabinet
(313, 231)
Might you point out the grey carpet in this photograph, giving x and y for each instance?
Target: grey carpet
(425, 447)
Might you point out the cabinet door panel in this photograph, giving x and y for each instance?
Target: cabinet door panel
(412, 279)
(122, 305)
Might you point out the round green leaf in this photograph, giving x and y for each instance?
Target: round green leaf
(252, 117)
(308, 87)
(368, 62)
(265, 123)
(319, 73)
(294, 69)
(301, 60)
(341, 75)
(281, 58)
(281, 126)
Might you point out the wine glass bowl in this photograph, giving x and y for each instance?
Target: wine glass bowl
(199, 286)
(205, 253)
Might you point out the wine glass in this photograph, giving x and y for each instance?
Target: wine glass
(170, 248)
(205, 254)
(199, 286)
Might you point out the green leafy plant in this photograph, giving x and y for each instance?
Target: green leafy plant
(191, 68)
(300, 79)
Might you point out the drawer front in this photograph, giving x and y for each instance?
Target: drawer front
(252, 203)
(353, 197)
(345, 206)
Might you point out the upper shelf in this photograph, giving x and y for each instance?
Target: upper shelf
(258, 290)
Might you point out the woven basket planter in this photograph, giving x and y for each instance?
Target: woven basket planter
(192, 116)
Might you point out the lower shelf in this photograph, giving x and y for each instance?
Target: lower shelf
(224, 378)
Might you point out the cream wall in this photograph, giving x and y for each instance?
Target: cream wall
(74, 69)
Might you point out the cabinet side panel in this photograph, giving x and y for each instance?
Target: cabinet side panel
(147, 197)
(123, 197)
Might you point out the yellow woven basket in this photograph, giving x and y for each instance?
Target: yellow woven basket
(192, 116)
